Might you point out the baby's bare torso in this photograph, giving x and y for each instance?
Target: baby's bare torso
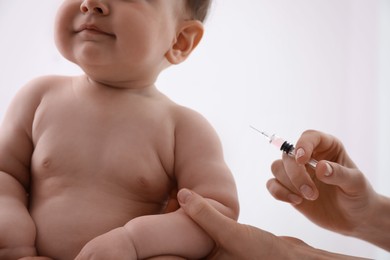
(101, 157)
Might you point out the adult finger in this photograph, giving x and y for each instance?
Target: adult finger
(350, 180)
(300, 178)
(218, 226)
(279, 172)
(279, 192)
(311, 142)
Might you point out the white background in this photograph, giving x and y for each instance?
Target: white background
(283, 66)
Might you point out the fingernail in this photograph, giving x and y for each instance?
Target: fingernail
(294, 199)
(299, 153)
(184, 195)
(307, 192)
(329, 170)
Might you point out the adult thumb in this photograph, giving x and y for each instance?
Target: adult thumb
(214, 223)
(350, 180)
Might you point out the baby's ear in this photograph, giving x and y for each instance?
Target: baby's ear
(187, 38)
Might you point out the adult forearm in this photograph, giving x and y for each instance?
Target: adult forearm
(317, 254)
(305, 252)
(376, 229)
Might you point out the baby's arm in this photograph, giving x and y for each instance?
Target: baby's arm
(17, 229)
(199, 166)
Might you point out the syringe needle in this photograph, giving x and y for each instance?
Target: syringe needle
(261, 132)
(254, 128)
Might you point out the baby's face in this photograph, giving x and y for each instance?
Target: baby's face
(118, 40)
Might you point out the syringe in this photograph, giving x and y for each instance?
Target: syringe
(284, 146)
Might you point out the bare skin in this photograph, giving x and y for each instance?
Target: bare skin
(342, 198)
(89, 163)
(239, 241)
(103, 157)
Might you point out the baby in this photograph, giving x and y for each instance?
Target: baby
(89, 163)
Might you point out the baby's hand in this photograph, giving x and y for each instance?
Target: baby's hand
(116, 244)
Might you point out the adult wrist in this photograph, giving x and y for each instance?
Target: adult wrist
(376, 229)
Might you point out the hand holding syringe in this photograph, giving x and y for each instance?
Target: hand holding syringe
(284, 146)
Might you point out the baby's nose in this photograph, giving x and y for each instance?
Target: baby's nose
(94, 7)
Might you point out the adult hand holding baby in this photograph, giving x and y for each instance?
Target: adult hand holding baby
(239, 241)
(335, 196)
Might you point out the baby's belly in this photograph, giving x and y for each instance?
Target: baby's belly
(68, 220)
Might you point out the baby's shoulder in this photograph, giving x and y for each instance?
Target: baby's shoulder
(40, 86)
(44, 83)
(188, 119)
(185, 120)
(181, 113)
(34, 90)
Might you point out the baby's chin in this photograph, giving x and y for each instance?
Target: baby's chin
(116, 82)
